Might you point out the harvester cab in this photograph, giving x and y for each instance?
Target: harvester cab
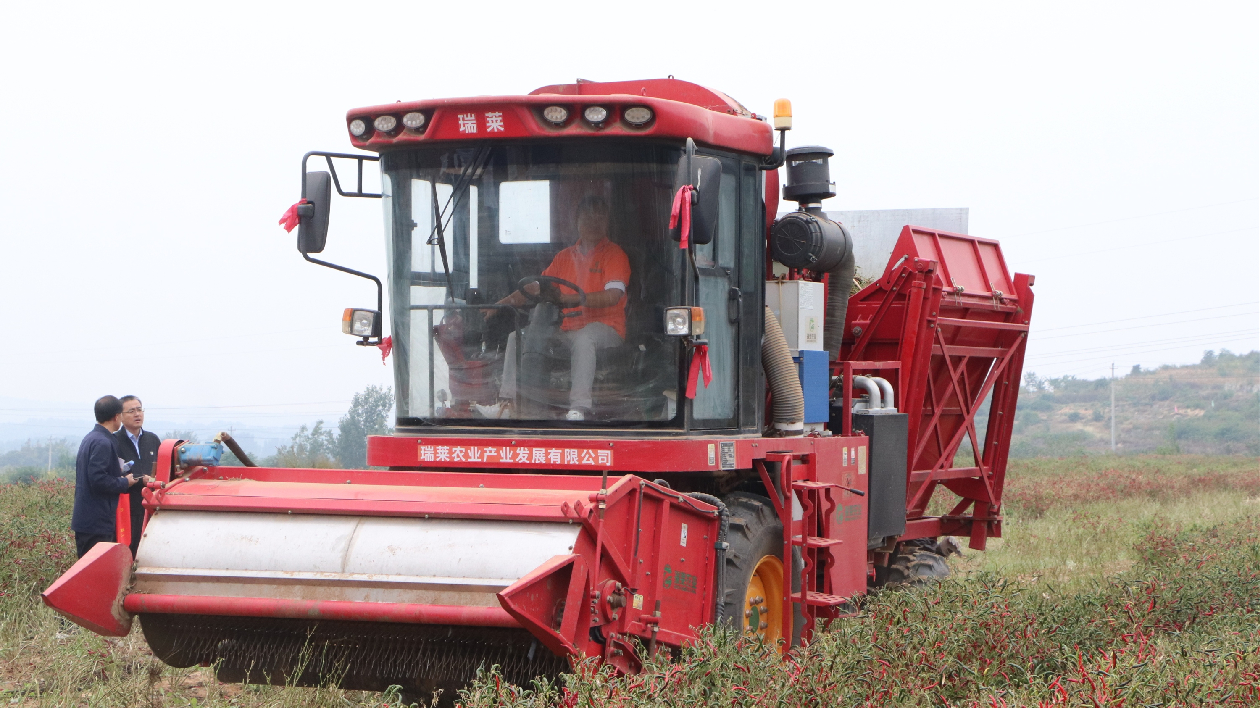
(630, 402)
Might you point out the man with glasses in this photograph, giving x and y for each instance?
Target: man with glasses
(139, 447)
(99, 478)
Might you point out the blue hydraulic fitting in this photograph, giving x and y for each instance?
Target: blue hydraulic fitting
(195, 454)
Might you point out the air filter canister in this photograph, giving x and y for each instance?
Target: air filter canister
(806, 240)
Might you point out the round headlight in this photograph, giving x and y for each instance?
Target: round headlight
(596, 114)
(358, 127)
(415, 121)
(556, 114)
(385, 123)
(638, 115)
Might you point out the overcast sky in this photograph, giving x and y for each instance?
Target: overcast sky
(1111, 147)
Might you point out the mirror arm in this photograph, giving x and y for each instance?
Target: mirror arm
(775, 160)
(328, 157)
(380, 297)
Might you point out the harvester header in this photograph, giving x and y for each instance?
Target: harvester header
(631, 400)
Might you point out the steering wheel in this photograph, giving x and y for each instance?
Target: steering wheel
(547, 280)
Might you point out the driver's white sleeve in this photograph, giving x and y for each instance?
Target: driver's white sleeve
(615, 285)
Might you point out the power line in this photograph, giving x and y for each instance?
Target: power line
(1130, 353)
(1131, 218)
(1112, 356)
(1188, 338)
(177, 408)
(1147, 317)
(252, 405)
(1156, 324)
(197, 355)
(1077, 254)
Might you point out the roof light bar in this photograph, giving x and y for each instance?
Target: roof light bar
(358, 127)
(385, 123)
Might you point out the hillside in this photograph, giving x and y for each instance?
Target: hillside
(1212, 407)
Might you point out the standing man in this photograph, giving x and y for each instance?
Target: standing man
(98, 479)
(139, 447)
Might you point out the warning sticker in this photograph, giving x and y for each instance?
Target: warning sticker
(728, 454)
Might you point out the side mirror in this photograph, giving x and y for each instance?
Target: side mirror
(704, 213)
(313, 215)
(706, 176)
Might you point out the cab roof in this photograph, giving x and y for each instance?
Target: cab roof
(679, 110)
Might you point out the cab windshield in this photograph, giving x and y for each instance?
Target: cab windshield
(528, 282)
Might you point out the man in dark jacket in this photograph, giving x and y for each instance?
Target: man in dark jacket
(98, 479)
(139, 447)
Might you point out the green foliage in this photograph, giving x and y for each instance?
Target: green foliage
(314, 447)
(1064, 444)
(1177, 627)
(369, 414)
(1170, 447)
(44, 455)
(345, 447)
(1212, 407)
(185, 435)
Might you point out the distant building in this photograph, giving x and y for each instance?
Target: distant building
(875, 231)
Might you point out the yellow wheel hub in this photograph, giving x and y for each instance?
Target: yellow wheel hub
(763, 601)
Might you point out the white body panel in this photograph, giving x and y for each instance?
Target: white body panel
(799, 306)
(349, 558)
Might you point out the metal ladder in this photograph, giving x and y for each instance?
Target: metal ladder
(808, 534)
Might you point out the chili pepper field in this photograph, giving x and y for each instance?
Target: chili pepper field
(1121, 581)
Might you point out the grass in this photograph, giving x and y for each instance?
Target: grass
(1074, 519)
(1129, 581)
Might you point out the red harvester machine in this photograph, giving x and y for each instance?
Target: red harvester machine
(630, 402)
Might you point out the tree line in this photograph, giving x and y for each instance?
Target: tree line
(318, 445)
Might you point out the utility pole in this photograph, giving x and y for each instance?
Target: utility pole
(1113, 409)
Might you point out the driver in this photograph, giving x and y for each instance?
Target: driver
(600, 268)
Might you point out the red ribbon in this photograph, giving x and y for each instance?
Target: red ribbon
(290, 218)
(682, 210)
(387, 345)
(699, 363)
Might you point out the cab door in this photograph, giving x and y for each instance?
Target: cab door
(718, 292)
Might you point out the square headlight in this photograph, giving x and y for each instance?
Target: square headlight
(678, 321)
(360, 323)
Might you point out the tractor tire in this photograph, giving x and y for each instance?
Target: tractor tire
(753, 560)
(943, 546)
(915, 565)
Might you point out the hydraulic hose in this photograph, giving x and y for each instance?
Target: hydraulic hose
(788, 414)
(724, 525)
(839, 283)
(235, 447)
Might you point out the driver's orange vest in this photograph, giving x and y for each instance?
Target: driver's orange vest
(593, 272)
